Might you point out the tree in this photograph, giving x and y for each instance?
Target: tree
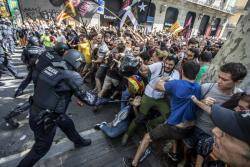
(235, 49)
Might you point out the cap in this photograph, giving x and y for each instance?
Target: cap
(236, 124)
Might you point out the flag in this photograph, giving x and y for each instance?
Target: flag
(126, 3)
(101, 7)
(175, 26)
(80, 10)
(189, 22)
(131, 16)
(208, 30)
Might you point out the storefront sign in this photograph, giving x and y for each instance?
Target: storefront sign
(109, 17)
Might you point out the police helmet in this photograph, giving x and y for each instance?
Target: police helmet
(103, 50)
(60, 48)
(33, 41)
(129, 65)
(74, 58)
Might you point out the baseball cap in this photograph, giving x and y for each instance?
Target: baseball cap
(236, 124)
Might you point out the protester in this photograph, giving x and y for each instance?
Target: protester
(231, 137)
(230, 75)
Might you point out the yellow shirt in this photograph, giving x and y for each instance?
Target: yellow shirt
(84, 48)
(46, 41)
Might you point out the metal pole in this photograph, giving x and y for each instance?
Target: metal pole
(149, 6)
(20, 10)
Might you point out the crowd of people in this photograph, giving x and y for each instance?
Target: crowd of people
(158, 78)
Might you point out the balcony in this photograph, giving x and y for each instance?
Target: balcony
(214, 4)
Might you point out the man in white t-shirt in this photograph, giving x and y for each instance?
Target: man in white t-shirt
(169, 68)
(152, 97)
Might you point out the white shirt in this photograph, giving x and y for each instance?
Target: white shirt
(156, 71)
(174, 75)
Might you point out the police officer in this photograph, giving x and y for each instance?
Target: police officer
(8, 37)
(51, 57)
(29, 57)
(55, 86)
(7, 64)
(1, 63)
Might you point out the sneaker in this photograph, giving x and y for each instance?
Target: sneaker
(11, 122)
(127, 162)
(19, 77)
(85, 142)
(174, 156)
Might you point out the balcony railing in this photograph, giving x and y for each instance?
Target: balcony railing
(214, 4)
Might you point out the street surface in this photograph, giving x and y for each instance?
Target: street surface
(103, 152)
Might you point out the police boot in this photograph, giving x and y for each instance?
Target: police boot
(18, 92)
(83, 143)
(10, 121)
(17, 76)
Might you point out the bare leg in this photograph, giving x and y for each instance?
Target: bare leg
(199, 161)
(98, 84)
(174, 146)
(103, 91)
(143, 146)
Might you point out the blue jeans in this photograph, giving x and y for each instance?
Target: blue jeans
(117, 128)
(125, 96)
(116, 131)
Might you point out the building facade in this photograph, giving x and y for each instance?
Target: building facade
(204, 17)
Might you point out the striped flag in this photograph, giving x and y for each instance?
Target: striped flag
(67, 12)
(175, 26)
(79, 10)
(189, 22)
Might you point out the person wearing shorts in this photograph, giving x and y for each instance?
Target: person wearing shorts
(181, 120)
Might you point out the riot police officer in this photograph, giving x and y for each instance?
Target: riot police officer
(8, 37)
(6, 62)
(29, 57)
(1, 63)
(53, 91)
(51, 57)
